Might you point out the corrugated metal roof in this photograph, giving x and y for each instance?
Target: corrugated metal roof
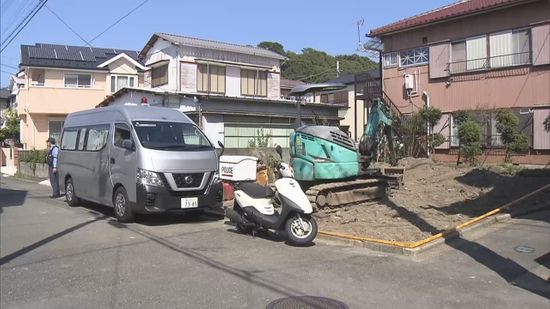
(65, 56)
(288, 83)
(210, 44)
(457, 9)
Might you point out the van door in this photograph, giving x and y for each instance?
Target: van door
(96, 161)
(123, 161)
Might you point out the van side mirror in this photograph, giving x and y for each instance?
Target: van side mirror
(222, 147)
(279, 150)
(128, 144)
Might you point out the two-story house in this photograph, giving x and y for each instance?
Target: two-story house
(477, 55)
(232, 91)
(56, 80)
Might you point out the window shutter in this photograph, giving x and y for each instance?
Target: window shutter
(439, 57)
(541, 44)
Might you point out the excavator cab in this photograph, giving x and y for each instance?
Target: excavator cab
(323, 153)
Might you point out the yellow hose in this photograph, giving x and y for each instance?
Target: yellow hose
(412, 245)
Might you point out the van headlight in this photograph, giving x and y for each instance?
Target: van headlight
(148, 178)
(216, 177)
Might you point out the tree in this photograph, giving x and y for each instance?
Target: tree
(11, 128)
(317, 66)
(274, 47)
(507, 123)
(547, 124)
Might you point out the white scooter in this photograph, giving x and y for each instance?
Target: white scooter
(254, 207)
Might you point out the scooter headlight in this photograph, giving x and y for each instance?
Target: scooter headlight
(148, 178)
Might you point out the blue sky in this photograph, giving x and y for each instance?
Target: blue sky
(328, 26)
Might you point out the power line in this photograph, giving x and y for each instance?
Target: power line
(10, 73)
(9, 66)
(26, 21)
(14, 15)
(119, 20)
(67, 25)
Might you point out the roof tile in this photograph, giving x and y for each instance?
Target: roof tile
(460, 8)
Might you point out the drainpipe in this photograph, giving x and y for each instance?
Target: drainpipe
(427, 123)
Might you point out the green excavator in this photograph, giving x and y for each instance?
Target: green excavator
(333, 170)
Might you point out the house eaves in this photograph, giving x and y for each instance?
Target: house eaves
(209, 44)
(457, 10)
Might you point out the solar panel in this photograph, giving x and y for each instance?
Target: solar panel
(67, 54)
(87, 55)
(43, 53)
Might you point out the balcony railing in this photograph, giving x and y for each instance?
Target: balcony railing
(487, 63)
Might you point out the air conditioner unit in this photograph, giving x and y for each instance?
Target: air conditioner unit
(409, 81)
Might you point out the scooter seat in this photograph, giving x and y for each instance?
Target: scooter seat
(255, 190)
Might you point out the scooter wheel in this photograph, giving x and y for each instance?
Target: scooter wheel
(298, 233)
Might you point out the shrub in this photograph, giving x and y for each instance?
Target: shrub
(469, 133)
(507, 124)
(33, 156)
(436, 139)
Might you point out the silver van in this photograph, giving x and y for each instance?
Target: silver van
(138, 159)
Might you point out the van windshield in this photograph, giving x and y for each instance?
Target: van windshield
(171, 136)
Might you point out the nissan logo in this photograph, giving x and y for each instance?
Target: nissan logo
(188, 180)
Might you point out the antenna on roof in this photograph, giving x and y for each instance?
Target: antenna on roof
(360, 23)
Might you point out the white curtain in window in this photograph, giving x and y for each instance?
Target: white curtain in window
(476, 53)
(501, 49)
(122, 81)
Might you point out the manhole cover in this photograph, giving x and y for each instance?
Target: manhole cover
(306, 302)
(524, 249)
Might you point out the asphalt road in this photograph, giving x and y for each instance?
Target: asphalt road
(55, 256)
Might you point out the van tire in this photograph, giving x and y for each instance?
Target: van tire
(70, 194)
(122, 208)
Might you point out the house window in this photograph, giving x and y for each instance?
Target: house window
(78, 80)
(210, 78)
(120, 81)
(339, 98)
(159, 76)
(253, 83)
(415, 56)
(37, 76)
(509, 48)
(496, 50)
(390, 59)
(54, 128)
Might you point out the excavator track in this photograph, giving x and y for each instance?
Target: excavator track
(339, 194)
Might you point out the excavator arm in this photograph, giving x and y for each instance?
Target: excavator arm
(379, 125)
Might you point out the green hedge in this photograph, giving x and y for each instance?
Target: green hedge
(33, 156)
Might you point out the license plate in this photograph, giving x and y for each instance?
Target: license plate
(190, 202)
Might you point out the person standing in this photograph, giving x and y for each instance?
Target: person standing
(53, 151)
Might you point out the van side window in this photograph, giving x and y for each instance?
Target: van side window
(68, 141)
(81, 138)
(97, 137)
(122, 132)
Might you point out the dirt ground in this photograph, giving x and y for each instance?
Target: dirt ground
(436, 197)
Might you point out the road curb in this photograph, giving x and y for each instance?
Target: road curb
(415, 248)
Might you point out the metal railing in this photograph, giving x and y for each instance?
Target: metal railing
(487, 63)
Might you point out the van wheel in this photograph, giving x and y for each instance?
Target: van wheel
(70, 195)
(123, 213)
